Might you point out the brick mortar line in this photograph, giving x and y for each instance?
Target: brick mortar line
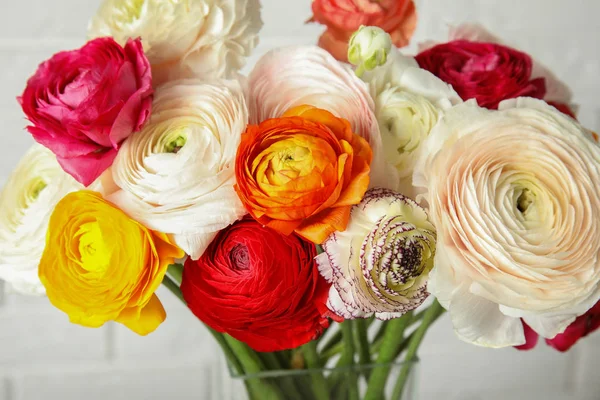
(79, 368)
(29, 43)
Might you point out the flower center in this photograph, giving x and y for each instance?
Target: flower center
(174, 140)
(132, 10)
(175, 145)
(239, 257)
(35, 189)
(525, 200)
(290, 159)
(93, 255)
(484, 63)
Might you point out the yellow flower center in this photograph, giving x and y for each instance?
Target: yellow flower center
(94, 255)
(290, 159)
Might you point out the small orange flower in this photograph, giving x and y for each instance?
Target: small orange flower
(302, 172)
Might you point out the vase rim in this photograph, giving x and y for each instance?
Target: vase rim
(290, 372)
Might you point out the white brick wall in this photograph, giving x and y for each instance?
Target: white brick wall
(42, 356)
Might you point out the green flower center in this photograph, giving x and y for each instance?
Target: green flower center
(132, 9)
(174, 142)
(525, 200)
(36, 188)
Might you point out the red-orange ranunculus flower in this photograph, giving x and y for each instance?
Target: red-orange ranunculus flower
(343, 17)
(302, 172)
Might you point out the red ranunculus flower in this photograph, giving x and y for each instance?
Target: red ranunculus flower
(84, 103)
(487, 72)
(583, 326)
(259, 286)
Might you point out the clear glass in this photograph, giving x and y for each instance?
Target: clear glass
(328, 383)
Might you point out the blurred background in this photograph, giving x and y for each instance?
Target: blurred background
(42, 356)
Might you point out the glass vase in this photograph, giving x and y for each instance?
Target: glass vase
(394, 381)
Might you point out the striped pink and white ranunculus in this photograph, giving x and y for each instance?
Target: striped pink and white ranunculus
(380, 264)
(515, 197)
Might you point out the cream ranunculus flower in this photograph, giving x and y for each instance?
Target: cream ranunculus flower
(380, 264)
(36, 185)
(204, 39)
(515, 197)
(176, 176)
(308, 75)
(408, 103)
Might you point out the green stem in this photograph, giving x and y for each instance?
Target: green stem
(219, 337)
(175, 271)
(270, 361)
(252, 364)
(348, 358)
(333, 341)
(392, 339)
(360, 70)
(173, 287)
(291, 387)
(319, 384)
(362, 341)
(335, 350)
(431, 315)
(378, 339)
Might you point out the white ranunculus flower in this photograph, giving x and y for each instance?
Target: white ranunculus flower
(298, 75)
(408, 103)
(26, 203)
(380, 264)
(204, 39)
(515, 198)
(177, 174)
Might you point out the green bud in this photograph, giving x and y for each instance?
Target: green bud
(175, 145)
(368, 48)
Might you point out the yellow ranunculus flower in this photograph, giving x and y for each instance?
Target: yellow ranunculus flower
(100, 265)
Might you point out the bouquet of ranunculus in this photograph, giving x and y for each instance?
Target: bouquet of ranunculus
(306, 212)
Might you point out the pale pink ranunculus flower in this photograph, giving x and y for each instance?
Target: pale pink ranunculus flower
(515, 197)
(292, 76)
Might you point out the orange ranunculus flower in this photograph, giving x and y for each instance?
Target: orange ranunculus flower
(302, 172)
(100, 265)
(344, 17)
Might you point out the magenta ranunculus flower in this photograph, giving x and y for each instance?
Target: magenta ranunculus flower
(83, 103)
(488, 72)
(580, 328)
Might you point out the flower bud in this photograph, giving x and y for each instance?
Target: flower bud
(368, 48)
